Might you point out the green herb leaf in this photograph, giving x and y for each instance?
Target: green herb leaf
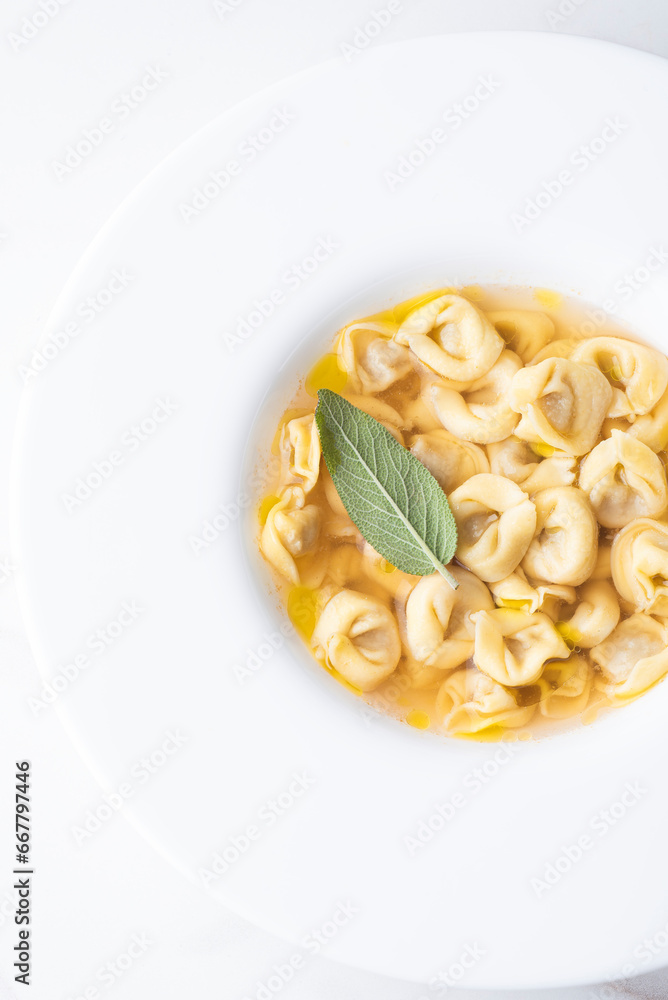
(391, 497)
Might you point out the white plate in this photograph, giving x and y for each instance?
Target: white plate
(322, 178)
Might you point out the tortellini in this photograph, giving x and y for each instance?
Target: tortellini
(480, 413)
(637, 374)
(450, 461)
(495, 522)
(525, 331)
(633, 657)
(565, 688)
(603, 569)
(453, 338)
(358, 637)
(470, 702)
(438, 624)
(373, 360)
(564, 547)
(515, 591)
(337, 523)
(561, 403)
(382, 412)
(623, 479)
(595, 616)
(562, 348)
(291, 531)
(512, 647)
(639, 562)
(300, 450)
(419, 417)
(652, 428)
(516, 460)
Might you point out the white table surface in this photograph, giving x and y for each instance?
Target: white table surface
(90, 899)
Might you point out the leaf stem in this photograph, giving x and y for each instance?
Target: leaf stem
(447, 575)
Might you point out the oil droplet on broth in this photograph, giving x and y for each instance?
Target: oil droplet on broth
(571, 636)
(326, 373)
(418, 719)
(542, 449)
(264, 508)
(303, 610)
(398, 313)
(547, 298)
(492, 734)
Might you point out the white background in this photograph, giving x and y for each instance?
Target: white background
(89, 900)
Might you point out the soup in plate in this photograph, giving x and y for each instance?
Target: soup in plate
(544, 424)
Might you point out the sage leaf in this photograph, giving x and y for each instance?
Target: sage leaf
(391, 497)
